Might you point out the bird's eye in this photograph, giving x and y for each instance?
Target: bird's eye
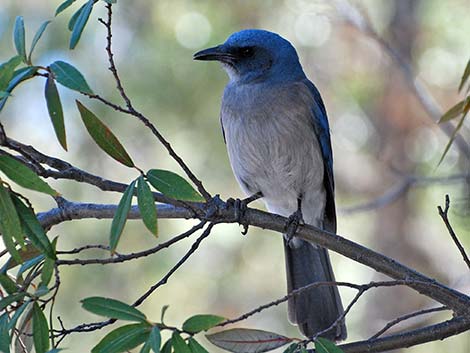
(247, 52)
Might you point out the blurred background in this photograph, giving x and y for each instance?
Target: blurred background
(381, 137)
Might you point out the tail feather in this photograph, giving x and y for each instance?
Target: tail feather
(316, 309)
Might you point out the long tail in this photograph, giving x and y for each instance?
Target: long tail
(316, 309)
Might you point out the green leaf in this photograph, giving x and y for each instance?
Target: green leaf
(40, 330)
(7, 70)
(198, 323)
(103, 136)
(322, 345)
(452, 113)
(8, 284)
(11, 299)
(292, 348)
(64, 6)
(54, 107)
(195, 347)
(155, 339)
(120, 217)
(19, 37)
(4, 336)
(36, 38)
(167, 347)
(17, 314)
(162, 314)
(30, 263)
(123, 339)
(19, 76)
(47, 271)
(178, 343)
(10, 225)
(146, 204)
(33, 229)
(112, 308)
(74, 17)
(80, 23)
(68, 76)
(23, 176)
(110, 1)
(55, 350)
(451, 139)
(172, 185)
(247, 340)
(465, 76)
(146, 347)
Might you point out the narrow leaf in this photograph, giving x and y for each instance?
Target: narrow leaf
(64, 6)
(7, 70)
(292, 348)
(465, 76)
(247, 340)
(123, 339)
(103, 136)
(155, 339)
(36, 38)
(172, 185)
(451, 139)
(19, 37)
(146, 347)
(23, 176)
(75, 17)
(19, 76)
(199, 323)
(11, 299)
(10, 225)
(167, 347)
(8, 284)
(112, 308)
(120, 217)
(17, 315)
(68, 76)
(33, 229)
(195, 347)
(322, 345)
(146, 204)
(80, 23)
(452, 113)
(4, 336)
(162, 314)
(47, 271)
(54, 107)
(40, 330)
(30, 264)
(178, 343)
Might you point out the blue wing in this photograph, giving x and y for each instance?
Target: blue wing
(322, 132)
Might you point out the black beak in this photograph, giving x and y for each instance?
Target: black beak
(218, 53)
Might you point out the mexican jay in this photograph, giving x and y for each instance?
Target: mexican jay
(277, 136)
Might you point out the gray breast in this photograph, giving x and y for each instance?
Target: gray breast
(271, 142)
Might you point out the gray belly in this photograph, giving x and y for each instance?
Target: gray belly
(273, 150)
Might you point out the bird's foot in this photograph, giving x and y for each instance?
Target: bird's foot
(293, 222)
(240, 206)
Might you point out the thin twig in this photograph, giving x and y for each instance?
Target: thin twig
(140, 116)
(407, 317)
(136, 255)
(445, 219)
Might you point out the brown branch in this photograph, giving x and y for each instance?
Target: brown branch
(410, 338)
(407, 317)
(445, 219)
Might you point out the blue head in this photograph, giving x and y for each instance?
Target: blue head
(255, 55)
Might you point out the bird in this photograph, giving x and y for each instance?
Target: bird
(276, 131)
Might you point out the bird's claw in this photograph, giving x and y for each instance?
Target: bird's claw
(293, 222)
(240, 206)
